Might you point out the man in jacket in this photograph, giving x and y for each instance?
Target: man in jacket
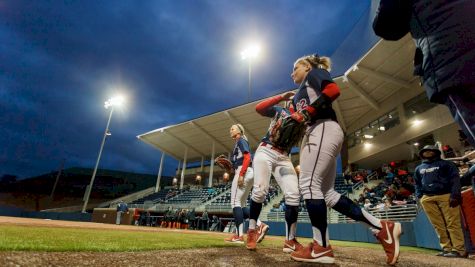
(444, 32)
(438, 189)
(121, 208)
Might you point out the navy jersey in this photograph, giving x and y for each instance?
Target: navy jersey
(310, 90)
(239, 149)
(277, 113)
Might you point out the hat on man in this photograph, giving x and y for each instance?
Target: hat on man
(434, 149)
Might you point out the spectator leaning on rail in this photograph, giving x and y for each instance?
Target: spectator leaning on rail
(438, 189)
(444, 33)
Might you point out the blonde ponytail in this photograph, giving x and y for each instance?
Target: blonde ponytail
(316, 61)
(241, 130)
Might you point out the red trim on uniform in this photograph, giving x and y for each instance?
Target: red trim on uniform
(245, 163)
(263, 106)
(291, 109)
(332, 91)
(311, 110)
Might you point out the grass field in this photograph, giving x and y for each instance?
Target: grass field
(58, 239)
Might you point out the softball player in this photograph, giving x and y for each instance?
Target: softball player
(272, 159)
(242, 184)
(318, 153)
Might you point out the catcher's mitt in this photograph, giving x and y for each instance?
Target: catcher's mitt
(223, 162)
(286, 133)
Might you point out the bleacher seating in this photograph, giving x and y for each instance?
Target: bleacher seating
(224, 201)
(159, 196)
(194, 196)
(340, 185)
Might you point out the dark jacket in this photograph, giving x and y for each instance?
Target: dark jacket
(437, 177)
(444, 32)
(122, 207)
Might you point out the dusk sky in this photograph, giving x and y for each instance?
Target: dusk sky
(173, 60)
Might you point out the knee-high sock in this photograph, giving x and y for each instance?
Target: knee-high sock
(254, 213)
(317, 211)
(246, 212)
(348, 208)
(238, 218)
(291, 215)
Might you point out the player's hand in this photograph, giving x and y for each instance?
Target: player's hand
(287, 96)
(453, 202)
(300, 117)
(240, 181)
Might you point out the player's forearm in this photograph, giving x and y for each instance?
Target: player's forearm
(265, 107)
(245, 163)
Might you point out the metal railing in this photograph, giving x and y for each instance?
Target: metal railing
(406, 212)
(372, 176)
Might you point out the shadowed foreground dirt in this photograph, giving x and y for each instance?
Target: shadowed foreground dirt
(345, 256)
(230, 256)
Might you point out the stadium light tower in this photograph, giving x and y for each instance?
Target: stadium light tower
(110, 103)
(249, 54)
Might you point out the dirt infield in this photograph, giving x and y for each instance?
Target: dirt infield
(229, 256)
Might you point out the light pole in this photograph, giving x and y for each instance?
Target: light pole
(115, 101)
(250, 53)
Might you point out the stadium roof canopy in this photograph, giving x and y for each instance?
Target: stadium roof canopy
(381, 73)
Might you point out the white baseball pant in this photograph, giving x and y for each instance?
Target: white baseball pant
(268, 161)
(318, 155)
(239, 194)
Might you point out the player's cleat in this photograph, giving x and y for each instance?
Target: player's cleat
(291, 246)
(314, 253)
(235, 239)
(261, 231)
(251, 239)
(389, 238)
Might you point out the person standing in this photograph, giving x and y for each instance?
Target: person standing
(242, 184)
(439, 192)
(273, 159)
(204, 221)
(318, 156)
(121, 208)
(444, 33)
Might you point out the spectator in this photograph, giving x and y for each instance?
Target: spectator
(136, 216)
(389, 177)
(204, 221)
(444, 32)
(438, 189)
(121, 208)
(215, 226)
(192, 218)
(367, 204)
(387, 203)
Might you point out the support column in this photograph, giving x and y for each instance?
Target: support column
(176, 173)
(211, 167)
(202, 165)
(178, 168)
(183, 169)
(159, 176)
